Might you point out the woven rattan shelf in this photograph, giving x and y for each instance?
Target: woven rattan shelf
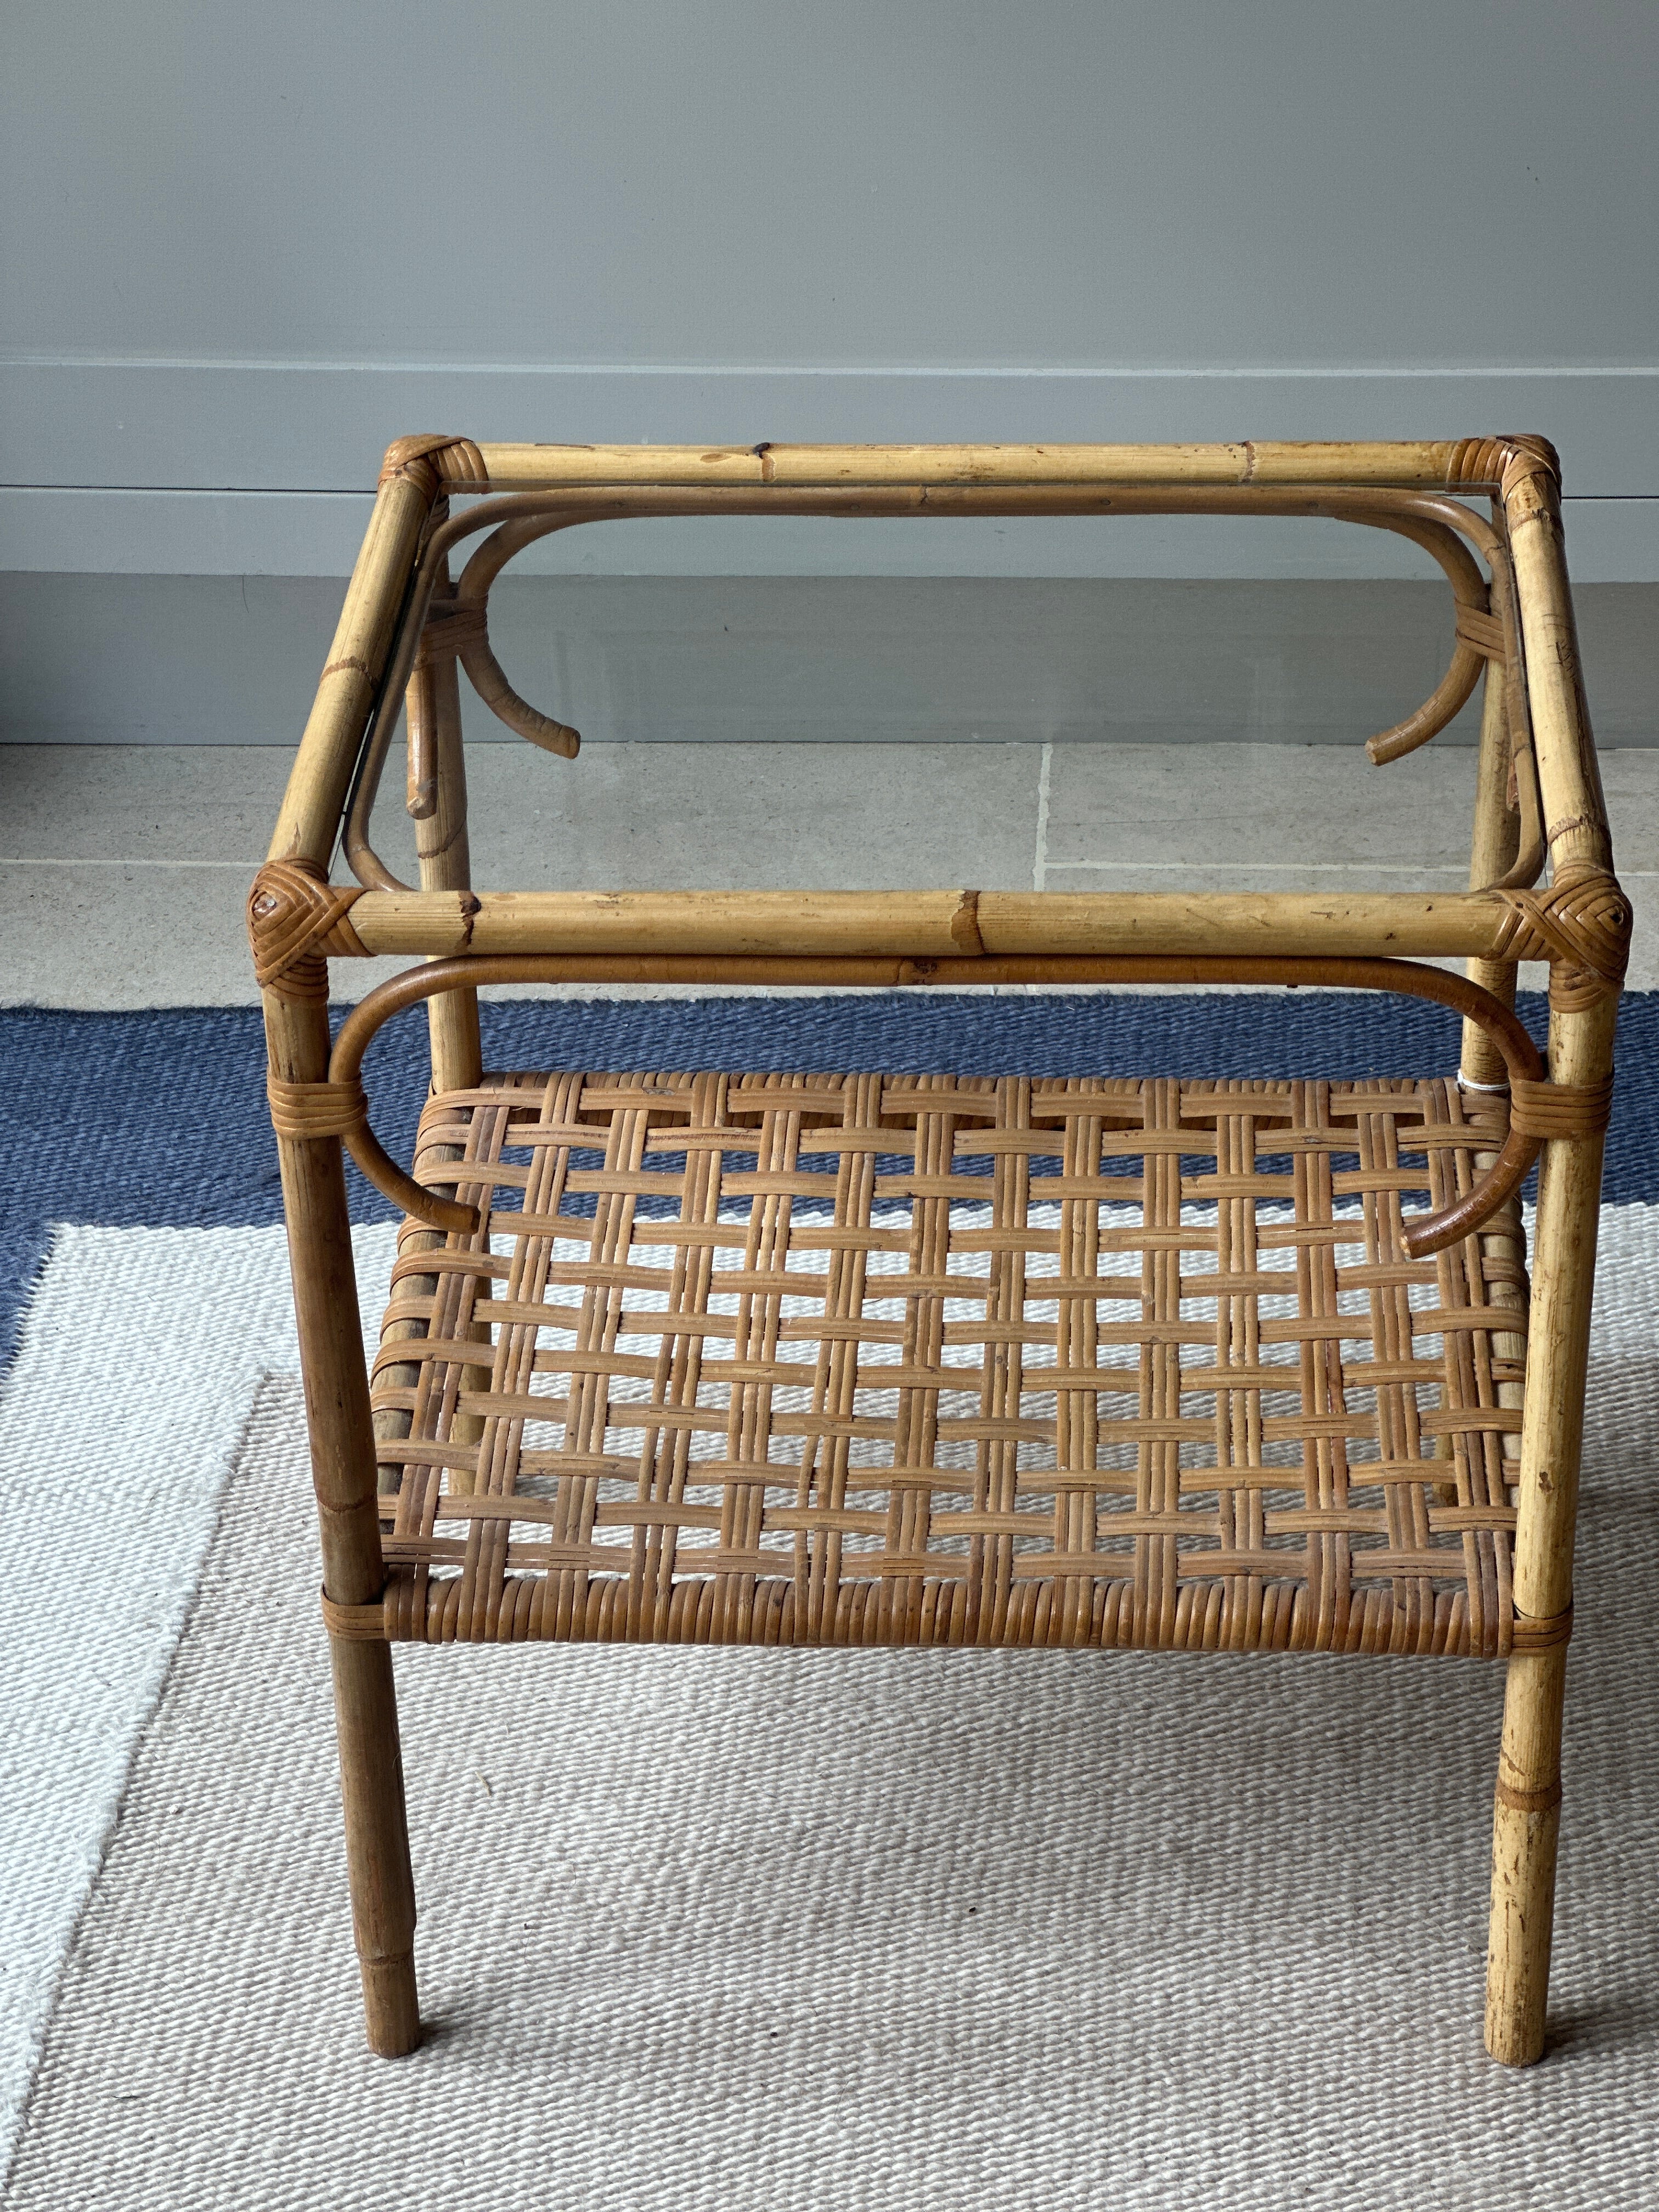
(855, 1358)
(849, 1360)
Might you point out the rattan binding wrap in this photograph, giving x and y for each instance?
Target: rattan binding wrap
(1581, 924)
(866, 1360)
(1504, 463)
(453, 628)
(1559, 1110)
(295, 921)
(316, 1109)
(435, 463)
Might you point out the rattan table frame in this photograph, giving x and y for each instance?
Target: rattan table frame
(965, 1510)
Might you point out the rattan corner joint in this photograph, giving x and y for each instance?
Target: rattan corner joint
(854, 1360)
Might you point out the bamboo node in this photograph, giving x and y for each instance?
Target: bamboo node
(1560, 1109)
(429, 462)
(350, 666)
(1530, 1801)
(1580, 925)
(316, 1109)
(295, 922)
(964, 925)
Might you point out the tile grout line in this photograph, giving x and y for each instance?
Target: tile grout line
(10, 861)
(1042, 861)
(1284, 868)
(1039, 856)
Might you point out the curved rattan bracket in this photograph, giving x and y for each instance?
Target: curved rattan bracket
(1542, 1110)
(483, 671)
(459, 627)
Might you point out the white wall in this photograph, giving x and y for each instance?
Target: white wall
(1308, 183)
(850, 184)
(269, 239)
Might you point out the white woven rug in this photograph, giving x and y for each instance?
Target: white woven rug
(746, 1929)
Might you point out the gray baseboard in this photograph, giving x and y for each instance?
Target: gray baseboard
(124, 659)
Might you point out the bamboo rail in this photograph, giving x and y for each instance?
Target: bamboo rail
(965, 925)
(317, 788)
(1441, 465)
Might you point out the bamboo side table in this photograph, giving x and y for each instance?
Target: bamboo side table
(852, 1359)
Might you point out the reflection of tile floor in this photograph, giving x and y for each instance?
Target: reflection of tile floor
(122, 869)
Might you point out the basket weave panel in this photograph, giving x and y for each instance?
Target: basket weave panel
(866, 1359)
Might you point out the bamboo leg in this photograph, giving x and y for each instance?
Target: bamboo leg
(377, 1843)
(1526, 1815)
(344, 1475)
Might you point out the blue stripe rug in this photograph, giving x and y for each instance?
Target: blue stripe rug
(157, 1119)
